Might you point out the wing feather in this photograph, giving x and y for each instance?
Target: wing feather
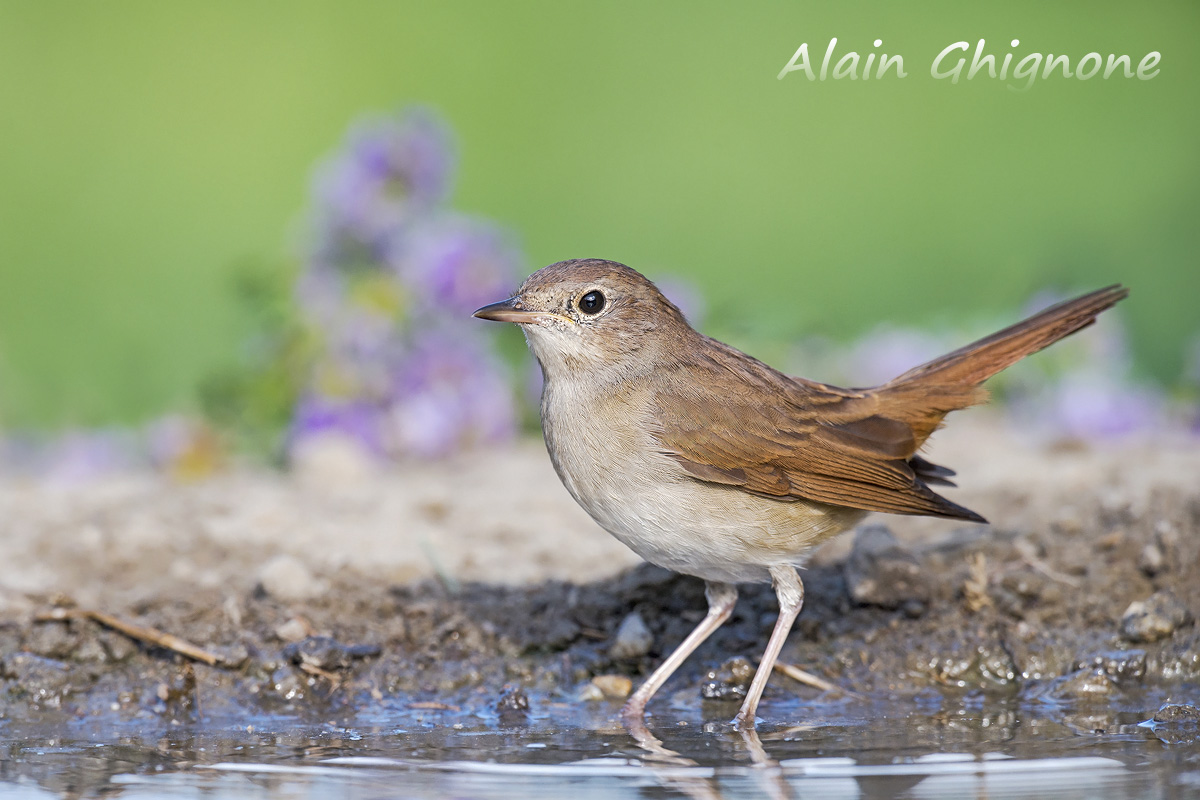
(793, 439)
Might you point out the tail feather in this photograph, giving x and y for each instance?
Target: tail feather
(978, 361)
(924, 395)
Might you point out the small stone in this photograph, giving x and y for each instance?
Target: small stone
(287, 578)
(91, 650)
(730, 681)
(881, 572)
(591, 694)
(1152, 561)
(616, 687)
(633, 638)
(233, 656)
(293, 630)
(1083, 684)
(1177, 724)
(327, 653)
(1178, 714)
(513, 702)
(1154, 618)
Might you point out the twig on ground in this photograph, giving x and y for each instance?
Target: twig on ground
(808, 679)
(142, 633)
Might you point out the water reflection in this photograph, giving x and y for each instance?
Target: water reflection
(970, 746)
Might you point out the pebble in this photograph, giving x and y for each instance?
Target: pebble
(1178, 714)
(293, 630)
(327, 653)
(633, 638)
(1152, 560)
(1177, 724)
(616, 687)
(513, 702)
(1083, 684)
(881, 572)
(287, 578)
(1155, 618)
(287, 684)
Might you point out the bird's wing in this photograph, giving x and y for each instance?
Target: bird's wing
(793, 439)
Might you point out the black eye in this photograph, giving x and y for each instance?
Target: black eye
(592, 302)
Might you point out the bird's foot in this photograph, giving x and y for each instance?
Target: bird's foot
(746, 720)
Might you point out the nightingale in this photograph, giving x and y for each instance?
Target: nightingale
(706, 461)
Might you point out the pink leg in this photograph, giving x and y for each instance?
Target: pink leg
(721, 599)
(790, 592)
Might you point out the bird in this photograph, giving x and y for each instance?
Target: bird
(707, 461)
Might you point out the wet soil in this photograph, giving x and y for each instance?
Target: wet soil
(1043, 614)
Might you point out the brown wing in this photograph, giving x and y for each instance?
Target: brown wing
(790, 438)
(793, 439)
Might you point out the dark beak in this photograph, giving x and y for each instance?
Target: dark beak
(507, 311)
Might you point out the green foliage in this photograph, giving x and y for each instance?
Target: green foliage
(253, 400)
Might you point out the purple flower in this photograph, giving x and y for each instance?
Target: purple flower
(390, 283)
(81, 456)
(390, 171)
(449, 393)
(1092, 404)
(457, 264)
(357, 420)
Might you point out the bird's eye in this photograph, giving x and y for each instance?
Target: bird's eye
(592, 302)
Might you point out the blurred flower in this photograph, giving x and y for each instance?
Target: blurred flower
(1091, 403)
(84, 455)
(449, 394)
(357, 420)
(455, 265)
(389, 171)
(184, 447)
(386, 293)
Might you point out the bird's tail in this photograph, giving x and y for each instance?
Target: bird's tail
(950, 382)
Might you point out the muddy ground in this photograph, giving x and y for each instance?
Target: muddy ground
(476, 587)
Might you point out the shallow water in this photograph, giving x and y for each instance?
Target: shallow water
(933, 746)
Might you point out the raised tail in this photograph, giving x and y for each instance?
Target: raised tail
(978, 361)
(924, 395)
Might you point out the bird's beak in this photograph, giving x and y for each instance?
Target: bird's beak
(510, 311)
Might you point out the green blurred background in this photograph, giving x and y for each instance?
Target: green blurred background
(151, 151)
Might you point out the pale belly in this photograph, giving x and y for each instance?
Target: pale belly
(645, 500)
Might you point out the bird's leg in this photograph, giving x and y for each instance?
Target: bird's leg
(721, 599)
(790, 592)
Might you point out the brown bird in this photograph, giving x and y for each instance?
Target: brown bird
(707, 461)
